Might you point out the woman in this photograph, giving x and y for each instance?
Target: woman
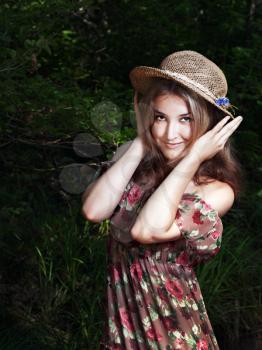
(165, 195)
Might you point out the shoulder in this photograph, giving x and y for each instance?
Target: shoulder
(219, 195)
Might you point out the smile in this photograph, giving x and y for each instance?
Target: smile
(173, 145)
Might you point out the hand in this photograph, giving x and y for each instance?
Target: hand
(213, 141)
(140, 126)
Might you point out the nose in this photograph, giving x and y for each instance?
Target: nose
(172, 131)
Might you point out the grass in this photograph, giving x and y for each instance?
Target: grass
(53, 271)
(231, 283)
(64, 286)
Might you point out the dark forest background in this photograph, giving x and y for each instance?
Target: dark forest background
(64, 83)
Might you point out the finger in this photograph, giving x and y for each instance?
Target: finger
(225, 134)
(215, 130)
(226, 129)
(220, 125)
(230, 127)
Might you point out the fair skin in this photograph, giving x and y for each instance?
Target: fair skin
(156, 221)
(101, 197)
(172, 125)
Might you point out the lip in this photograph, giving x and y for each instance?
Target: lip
(173, 145)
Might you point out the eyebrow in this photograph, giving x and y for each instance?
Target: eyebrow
(180, 115)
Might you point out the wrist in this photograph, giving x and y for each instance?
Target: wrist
(193, 158)
(188, 166)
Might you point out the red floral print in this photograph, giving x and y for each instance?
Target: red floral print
(178, 344)
(197, 217)
(163, 294)
(155, 271)
(116, 347)
(174, 269)
(148, 253)
(125, 319)
(183, 258)
(174, 288)
(204, 327)
(154, 298)
(136, 268)
(134, 194)
(152, 335)
(178, 215)
(202, 345)
(215, 251)
(207, 206)
(215, 235)
(116, 274)
(170, 323)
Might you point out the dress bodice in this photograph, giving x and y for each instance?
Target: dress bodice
(200, 225)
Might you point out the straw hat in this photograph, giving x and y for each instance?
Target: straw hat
(190, 69)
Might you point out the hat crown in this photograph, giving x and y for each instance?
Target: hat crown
(198, 69)
(191, 70)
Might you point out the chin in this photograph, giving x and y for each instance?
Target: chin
(171, 153)
(173, 159)
(174, 155)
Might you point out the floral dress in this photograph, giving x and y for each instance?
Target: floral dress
(153, 299)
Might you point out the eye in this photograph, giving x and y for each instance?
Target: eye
(188, 119)
(157, 116)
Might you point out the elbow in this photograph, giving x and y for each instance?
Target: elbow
(140, 237)
(94, 215)
(88, 215)
(134, 234)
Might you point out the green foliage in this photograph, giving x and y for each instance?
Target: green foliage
(64, 71)
(231, 285)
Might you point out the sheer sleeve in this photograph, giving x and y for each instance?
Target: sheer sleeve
(102, 168)
(200, 226)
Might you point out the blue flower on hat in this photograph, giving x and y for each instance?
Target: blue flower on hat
(222, 101)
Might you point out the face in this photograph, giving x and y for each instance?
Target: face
(172, 128)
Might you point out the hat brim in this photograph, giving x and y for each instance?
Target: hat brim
(142, 78)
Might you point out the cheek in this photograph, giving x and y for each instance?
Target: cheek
(187, 132)
(157, 131)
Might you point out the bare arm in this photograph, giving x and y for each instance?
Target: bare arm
(101, 197)
(155, 222)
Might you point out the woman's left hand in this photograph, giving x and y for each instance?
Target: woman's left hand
(213, 141)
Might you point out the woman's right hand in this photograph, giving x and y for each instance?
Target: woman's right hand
(213, 141)
(140, 127)
(139, 124)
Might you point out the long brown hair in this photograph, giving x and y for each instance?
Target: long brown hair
(224, 166)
